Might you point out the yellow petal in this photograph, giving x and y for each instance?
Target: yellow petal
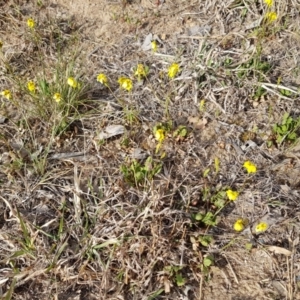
(239, 225)
(261, 227)
(271, 16)
(72, 82)
(268, 2)
(102, 79)
(125, 83)
(173, 70)
(6, 94)
(30, 23)
(249, 166)
(159, 135)
(57, 97)
(154, 46)
(31, 86)
(232, 195)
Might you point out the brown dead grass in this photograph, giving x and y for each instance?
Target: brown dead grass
(78, 230)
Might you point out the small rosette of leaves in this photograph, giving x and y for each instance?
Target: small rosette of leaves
(286, 131)
(137, 173)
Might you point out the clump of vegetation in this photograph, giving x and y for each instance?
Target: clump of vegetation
(147, 208)
(137, 173)
(286, 130)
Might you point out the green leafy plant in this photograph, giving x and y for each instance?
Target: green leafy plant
(215, 201)
(259, 92)
(286, 131)
(181, 132)
(205, 240)
(253, 65)
(175, 274)
(208, 261)
(286, 93)
(137, 173)
(207, 218)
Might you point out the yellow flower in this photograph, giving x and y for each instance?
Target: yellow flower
(31, 86)
(30, 23)
(102, 79)
(249, 166)
(140, 71)
(7, 94)
(57, 97)
(271, 16)
(72, 82)
(154, 46)
(232, 195)
(125, 83)
(159, 135)
(240, 224)
(173, 70)
(269, 2)
(261, 227)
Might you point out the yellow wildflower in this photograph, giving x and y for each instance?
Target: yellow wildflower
(30, 23)
(240, 224)
(102, 79)
(249, 166)
(202, 105)
(160, 135)
(232, 195)
(269, 2)
(31, 86)
(261, 227)
(173, 70)
(6, 94)
(271, 16)
(72, 82)
(125, 83)
(140, 71)
(154, 46)
(57, 97)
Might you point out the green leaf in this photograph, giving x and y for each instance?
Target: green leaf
(208, 261)
(199, 217)
(9, 293)
(209, 219)
(205, 173)
(285, 92)
(180, 281)
(285, 117)
(156, 169)
(148, 164)
(219, 203)
(107, 243)
(217, 164)
(292, 136)
(248, 246)
(180, 131)
(155, 294)
(205, 240)
(44, 85)
(290, 121)
(284, 129)
(139, 176)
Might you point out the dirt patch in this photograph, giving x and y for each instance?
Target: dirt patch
(77, 224)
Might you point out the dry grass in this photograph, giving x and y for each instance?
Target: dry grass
(87, 218)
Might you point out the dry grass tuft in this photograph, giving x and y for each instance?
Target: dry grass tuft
(129, 187)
